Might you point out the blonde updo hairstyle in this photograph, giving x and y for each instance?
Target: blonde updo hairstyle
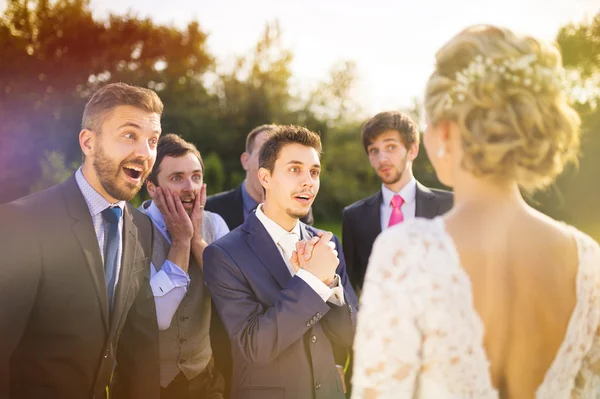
(504, 92)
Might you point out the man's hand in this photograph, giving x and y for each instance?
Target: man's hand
(197, 213)
(179, 225)
(178, 222)
(198, 242)
(323, 258)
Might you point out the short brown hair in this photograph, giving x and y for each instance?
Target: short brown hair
(114, 95)
(282, 135)
(172, 145)
(251, 137)
(390, 120)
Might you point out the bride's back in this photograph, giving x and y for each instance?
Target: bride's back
(523, 268)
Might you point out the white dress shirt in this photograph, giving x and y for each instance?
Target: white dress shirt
(281, 236)
(409, 207)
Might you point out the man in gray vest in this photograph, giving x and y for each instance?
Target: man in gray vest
(182, 229)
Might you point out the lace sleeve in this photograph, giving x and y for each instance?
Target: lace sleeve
(388, 339)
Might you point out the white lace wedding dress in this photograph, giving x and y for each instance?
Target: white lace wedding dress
(419, 335)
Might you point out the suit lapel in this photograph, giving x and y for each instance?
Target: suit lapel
(426, 207)
(130, 233)
(266, 250)
(238, 207)
(83, 229)
(372, 217)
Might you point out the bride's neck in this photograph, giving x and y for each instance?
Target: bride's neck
(487, 192)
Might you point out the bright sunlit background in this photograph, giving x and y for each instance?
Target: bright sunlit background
(392, 42)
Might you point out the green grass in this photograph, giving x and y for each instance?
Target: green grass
(335, 226)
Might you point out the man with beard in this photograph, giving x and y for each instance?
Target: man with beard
(282, 311)
(391, 140)
(74, 280)
(182, 229)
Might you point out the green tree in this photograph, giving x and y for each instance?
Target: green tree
(55, 54)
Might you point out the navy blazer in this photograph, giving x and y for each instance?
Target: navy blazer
(282, 332)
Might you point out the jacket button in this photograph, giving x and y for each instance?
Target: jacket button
(318, 385)
(308, 324)
(313, 339)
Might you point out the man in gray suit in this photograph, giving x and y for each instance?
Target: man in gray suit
(391, 140)
(74, 277)
(182, 229)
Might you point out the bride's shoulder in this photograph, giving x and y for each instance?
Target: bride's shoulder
(588, 247)
(418, 230)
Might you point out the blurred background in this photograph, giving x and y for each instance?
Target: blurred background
(225, 67)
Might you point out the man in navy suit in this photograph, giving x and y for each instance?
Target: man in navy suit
(279, 285)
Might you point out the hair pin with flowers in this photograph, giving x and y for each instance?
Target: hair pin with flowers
(522, 72)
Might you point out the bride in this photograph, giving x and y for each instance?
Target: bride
(495, 299)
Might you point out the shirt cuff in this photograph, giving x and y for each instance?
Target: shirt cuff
(337, 293)
(317, 285)
(170, 276)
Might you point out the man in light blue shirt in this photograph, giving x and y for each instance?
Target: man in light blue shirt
(183, 305)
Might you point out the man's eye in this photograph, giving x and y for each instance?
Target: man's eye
(373, 151)
(293, 169)
(153, 141)
(316, 173)
(176, 178)
(129, 136)
(197, 177)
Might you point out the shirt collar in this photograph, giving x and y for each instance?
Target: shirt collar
(408, 192)
(275, 231)
(249, 202)
(157, 217)
(95, 201)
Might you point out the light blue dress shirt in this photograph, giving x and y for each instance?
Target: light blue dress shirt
(170, 283)
(96, 204)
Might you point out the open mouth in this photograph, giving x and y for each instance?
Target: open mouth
(134, 172)
(303, 198)
(187, 202)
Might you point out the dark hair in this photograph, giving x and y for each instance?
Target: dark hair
(251, 137)
(390, 120)
(282, 135)
(172, 145)
(114, 95)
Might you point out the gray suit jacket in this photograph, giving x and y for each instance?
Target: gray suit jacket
(361, 224)
(58, 340)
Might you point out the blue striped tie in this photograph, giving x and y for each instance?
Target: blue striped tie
(113, 240)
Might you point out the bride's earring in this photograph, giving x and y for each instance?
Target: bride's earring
(441, 152)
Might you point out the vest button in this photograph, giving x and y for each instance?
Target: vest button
(318, 385)
(313, 339)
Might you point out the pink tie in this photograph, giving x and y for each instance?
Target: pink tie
(397, 215)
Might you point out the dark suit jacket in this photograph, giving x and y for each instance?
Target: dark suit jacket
(57, 340)
(282, 332)
(230, 206)
(361, 224)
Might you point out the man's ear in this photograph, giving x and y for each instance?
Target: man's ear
(413, 151)
(245, 160)
(151, 187)
(87, 142)
(264, 177)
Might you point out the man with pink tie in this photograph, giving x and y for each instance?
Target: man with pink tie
(391, 140)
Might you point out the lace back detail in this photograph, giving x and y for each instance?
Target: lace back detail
(419, 335)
